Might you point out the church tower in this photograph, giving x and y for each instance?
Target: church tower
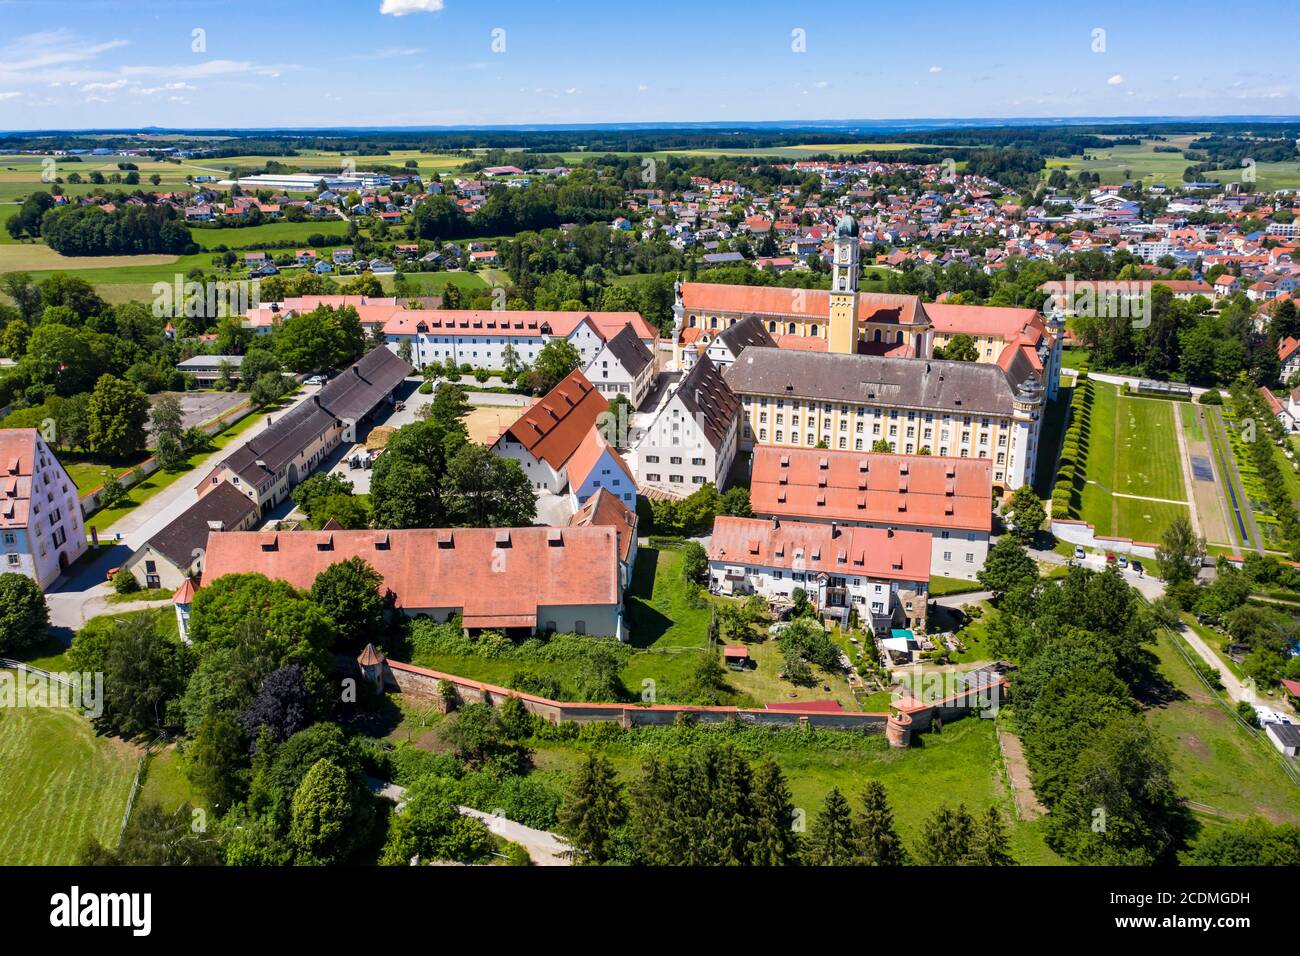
(842, 323)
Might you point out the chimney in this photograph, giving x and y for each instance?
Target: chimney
(776, 522)
(316, 400)
(889, 532)
(835, 529)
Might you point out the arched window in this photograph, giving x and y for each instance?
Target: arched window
(771, 326)
(875, 337)
(792, 328)
(692, 321)
(899, 338)
(731, 321)
(813, 331)
(713, 322)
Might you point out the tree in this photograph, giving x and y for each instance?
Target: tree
(1006, 566)
(282, 707)
(431, 828)
(593, 808)
(321, 339)
(775, 841)
(157, 837)
(556, 360)
(24, 617)
(882, 445)
(144, 670)
(1027, 514)
(1180, 552)
(1253, 842)
(216, 763)
(989, 844)
(406, 487)
(117, 412)
(314, 490)
(695, 562)
(348, 591)
(946, 838)
(266, 389)
(324, 816)
(878, 842)
(832, 841)
(960, 348)
(483, 490)
(598, 676)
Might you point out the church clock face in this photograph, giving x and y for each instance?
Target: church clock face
(844, 254)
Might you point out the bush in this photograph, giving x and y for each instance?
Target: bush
(426, 388)
(1212, 397)
(124, 582)
(1247, 713)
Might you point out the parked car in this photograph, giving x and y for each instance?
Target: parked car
(1136, 565)
(315, 380)
(1123, 561)
(1079, 554)
(1110, 557)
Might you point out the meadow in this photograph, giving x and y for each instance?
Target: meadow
(259, 237)
(61, 785)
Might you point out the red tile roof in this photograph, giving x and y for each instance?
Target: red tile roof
(939, 492)
(553, 428)
(497, 577)
(705, 297)
(809, 546)
(588, 453)
(603, 509)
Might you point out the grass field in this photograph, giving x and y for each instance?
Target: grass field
(1132, 450)
(20, 175)
(959, 765)
(61, 785)
(1217, 763)
(257, 237)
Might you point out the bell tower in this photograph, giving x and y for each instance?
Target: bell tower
(842, 323)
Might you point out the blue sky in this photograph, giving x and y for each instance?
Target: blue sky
(82, 63)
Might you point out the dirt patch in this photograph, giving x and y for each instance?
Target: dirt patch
(1195, 745)
(486, 422)
(1028, 806)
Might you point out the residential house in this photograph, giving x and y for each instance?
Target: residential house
(884, 575)
(549, 432)
(604, 509)
(175, 553)
(623, 366)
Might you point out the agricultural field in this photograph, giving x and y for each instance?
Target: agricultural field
(1133, 457)
(62, 785)
(1120, 163)
(20, 175)
(332, 161)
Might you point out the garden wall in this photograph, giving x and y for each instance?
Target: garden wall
(423, 683)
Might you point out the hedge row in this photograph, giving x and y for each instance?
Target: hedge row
(1074, 449)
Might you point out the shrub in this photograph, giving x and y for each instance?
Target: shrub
(1212, 397)
(124, 582)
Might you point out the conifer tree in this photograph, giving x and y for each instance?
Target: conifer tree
(989, 844)
(879, 843)
(832, 840)
(946, 838)
(593, 808)
(775, 841)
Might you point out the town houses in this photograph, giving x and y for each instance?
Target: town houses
(41, 527)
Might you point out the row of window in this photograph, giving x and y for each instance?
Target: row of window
(673, 460)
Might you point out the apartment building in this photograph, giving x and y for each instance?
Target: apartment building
(693, 438)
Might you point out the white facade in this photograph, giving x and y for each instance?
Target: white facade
(41, 526)
(675, 452)
(610, 377)
(481, 350)
(881, 602)
(540, 474)
(607, 472)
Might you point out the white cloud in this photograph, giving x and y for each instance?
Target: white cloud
(1116, 80)
(9, 95)
(936, 69)
(570, 91)
(400, 8)
(642, 88)
(107, 87)
(822, 84)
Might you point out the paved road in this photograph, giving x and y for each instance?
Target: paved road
(143, 522)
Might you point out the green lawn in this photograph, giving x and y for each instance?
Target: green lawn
(1132, 450)
(939, 586)
(61, 785)
(1217, 762)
